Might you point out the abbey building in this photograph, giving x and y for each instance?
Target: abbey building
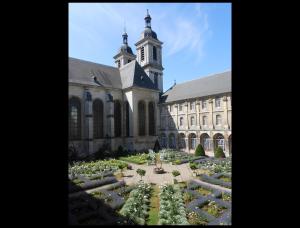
(126, 105)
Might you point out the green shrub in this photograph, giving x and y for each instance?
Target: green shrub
(176, 162)
(219, 153)
(141, 172)
(193, 165)
(200, 151)
(175, 173)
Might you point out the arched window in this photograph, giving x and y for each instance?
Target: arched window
(156, 80)
(142, 118)
(98, 118)
(127, 118)
(217, 102)
(218, 120)
(206, 142)
(181, 141)
(154, 53)
(163, 140)
(151, 116)
(219, 141)
(117, 118)
(74, 118)
(192, 141)
(172, 143)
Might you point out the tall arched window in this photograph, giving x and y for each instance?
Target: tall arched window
(172, 142)
(163, 140)
(151, 116)
(193, 121)
(181, 121)
(127, 118)
(154, 53)
(98, 118)
(74, 118)
(204, 118)
(142, 118)
(117, 118)
(192, 141)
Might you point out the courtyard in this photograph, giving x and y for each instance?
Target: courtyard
(189, 190)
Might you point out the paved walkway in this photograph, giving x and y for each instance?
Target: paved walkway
(131, 177)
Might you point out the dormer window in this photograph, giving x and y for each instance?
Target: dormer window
(119, 63)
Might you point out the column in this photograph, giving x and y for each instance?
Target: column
(88, 121)
(225, 108)
(187, 125)
(210, 102)
(110, 129)
(198, 114)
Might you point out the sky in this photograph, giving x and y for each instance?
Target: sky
(196, 36)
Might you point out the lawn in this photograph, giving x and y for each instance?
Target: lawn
(137, 159)
(154, 206)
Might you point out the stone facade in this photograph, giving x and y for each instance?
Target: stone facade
(184, 119)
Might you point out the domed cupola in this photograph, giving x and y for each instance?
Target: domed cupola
(125, 48)
(148, 32)
(125, 54)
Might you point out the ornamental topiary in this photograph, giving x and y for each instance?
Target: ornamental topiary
(219, 153)
(200, 151)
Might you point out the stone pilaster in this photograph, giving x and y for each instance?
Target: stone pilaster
(211, 121)
(88, 121)
(187, 124)
(225, 108)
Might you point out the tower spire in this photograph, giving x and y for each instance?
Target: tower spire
(125, 36)
(148, 20)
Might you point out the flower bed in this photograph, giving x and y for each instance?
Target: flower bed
(172, 210)
(137, 205)
(90, 169)
(212, 208)
(177, 157)
(215, 165)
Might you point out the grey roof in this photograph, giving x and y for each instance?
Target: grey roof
(206, 86)
(82, 71)
(148, 32)
(132, 74)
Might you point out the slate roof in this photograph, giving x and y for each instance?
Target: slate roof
(132, 74)
(210, 85)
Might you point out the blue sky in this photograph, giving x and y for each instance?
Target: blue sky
(196, 36)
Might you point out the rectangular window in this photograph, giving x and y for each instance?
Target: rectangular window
(180, 107)
(181, 121)
(192, 105)
(119, 63)
(204, 120)
(218, 102)
(204, 105)
(171, 108)
(192, 120)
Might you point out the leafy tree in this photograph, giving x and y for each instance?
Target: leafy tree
(199, 150)
(141, 172)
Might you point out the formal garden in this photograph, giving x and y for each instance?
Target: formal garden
(121, 190)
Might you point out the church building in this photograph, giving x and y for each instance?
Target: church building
(126, 105)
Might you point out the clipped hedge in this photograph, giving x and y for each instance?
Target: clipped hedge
(199, 150)
(216, 181)
(219, 153)
(91, 184)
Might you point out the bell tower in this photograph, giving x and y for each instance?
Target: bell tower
(125, 54)
(149, 54)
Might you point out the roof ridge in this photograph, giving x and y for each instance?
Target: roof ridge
(93, 62)
(207, 76)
